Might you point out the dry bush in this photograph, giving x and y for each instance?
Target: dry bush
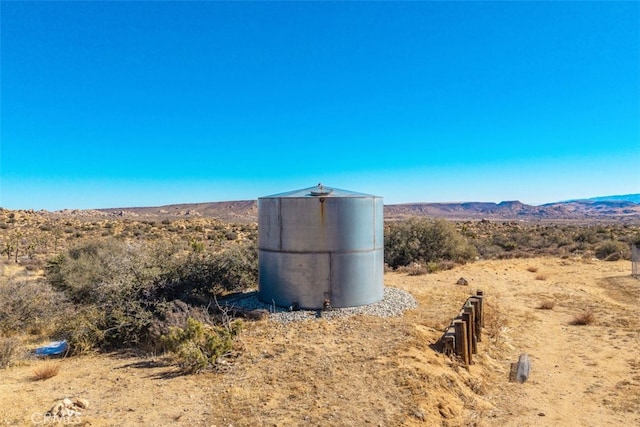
(616, 256)
(414, 269)
(423, 240)
(447, 265)
(8, 348)
(532, 269)
(613, 250)
(45, 372)
(585, 318)
(199, 346)
(29, 306)
(547, 305)
(120, 288)
(541, 276)
(84, 329)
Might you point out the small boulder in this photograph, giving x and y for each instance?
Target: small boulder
(81, 403)
(462, 282)
(67, 407)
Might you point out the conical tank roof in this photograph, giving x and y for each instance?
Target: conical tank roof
(319, 190)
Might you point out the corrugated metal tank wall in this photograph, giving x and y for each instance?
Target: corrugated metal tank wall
(320, 246)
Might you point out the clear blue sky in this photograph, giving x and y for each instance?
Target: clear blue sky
(120, 104)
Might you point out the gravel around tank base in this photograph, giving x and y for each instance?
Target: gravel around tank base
(394, 303)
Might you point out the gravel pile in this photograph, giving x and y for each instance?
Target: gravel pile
(394, 303)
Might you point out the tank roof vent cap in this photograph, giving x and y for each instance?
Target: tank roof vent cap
(321, 190)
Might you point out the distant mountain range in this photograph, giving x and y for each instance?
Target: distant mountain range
(515, 210)
(609, 208)
(635, 198)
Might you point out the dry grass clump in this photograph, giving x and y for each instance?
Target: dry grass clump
(418, 269)
(496, 322)
(414, 269)
(547, 304)
(8, 348)
(532, 269)
(541, 276)
(585, 318)
(45, 372)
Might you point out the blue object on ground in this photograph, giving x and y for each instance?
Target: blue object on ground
(54, 348)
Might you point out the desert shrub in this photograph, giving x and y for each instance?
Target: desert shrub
(585, 318)
(446, 265)
(90, 272)
(29, 306)
(196, 246)
(112, 282)
(413, 269)
(586, 235)
(45, 372)
(201, 276)
(84, 329)
(541, 276)
(120, 288)
(532, 269)
(116, 322)
(505, 242)
(8, 350)
(199, 346)
(486, 249)
(612, 250)
(236, 268)
(423, 241)
(560, 241)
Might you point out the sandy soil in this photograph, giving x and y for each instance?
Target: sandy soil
(385, 372)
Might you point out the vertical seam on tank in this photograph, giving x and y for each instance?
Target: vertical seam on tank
(376, 237)
(279, 225)
(330, 276)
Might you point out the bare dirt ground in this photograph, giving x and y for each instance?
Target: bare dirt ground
(361, 370)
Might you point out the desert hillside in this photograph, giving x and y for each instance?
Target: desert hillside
(597, 210)
(386, 371)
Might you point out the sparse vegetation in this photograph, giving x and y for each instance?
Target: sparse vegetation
(109, 281)
(585, 318)
(46, 371)
(508, 239)
(8, 349)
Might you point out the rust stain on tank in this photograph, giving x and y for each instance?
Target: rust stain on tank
(322, 210)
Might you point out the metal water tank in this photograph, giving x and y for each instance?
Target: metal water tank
(320, 246)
